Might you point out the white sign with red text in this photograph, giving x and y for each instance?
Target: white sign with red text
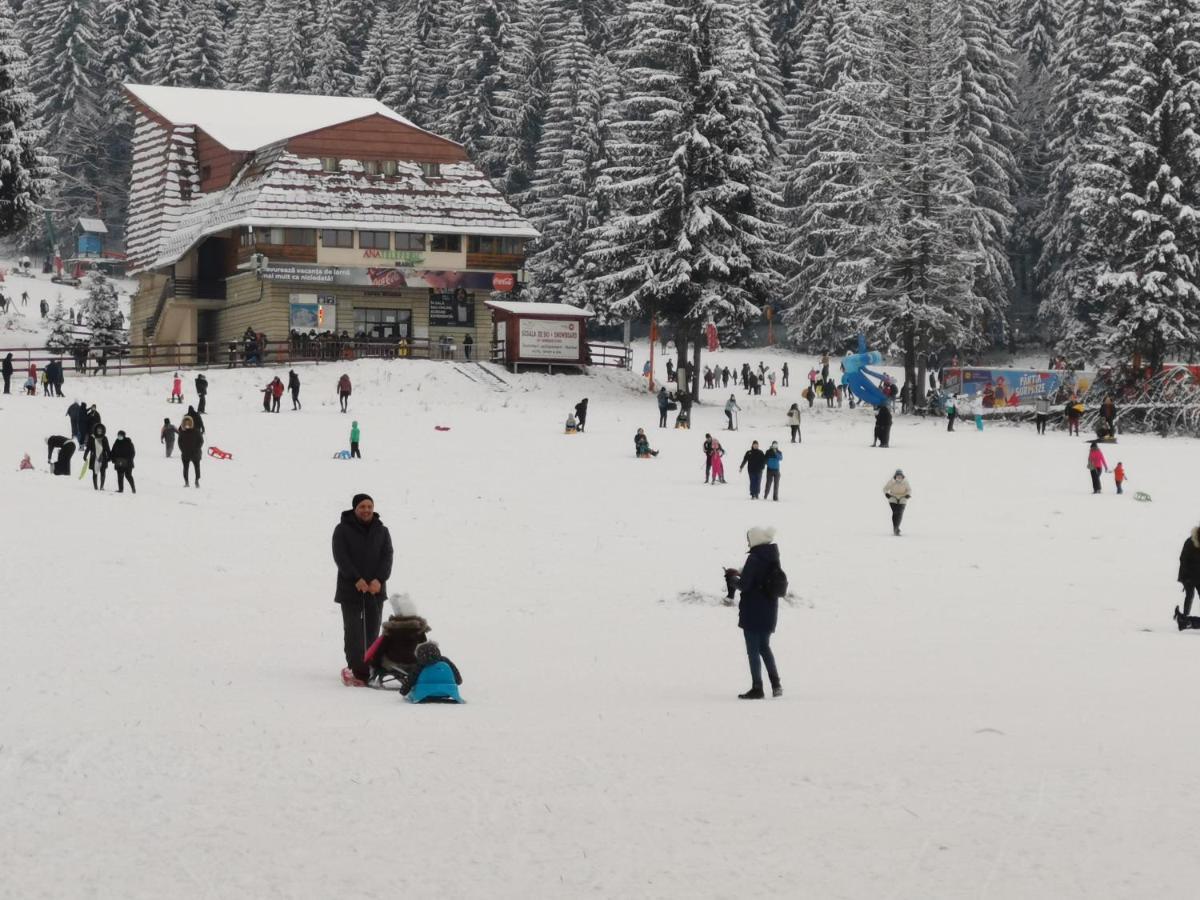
(548, 339)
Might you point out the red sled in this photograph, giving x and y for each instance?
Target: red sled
(219, 453)
(441, 427)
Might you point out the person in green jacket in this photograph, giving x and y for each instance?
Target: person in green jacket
(354, 441)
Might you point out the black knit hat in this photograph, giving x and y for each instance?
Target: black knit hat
(359, 498)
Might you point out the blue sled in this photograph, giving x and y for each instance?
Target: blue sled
(856, 377)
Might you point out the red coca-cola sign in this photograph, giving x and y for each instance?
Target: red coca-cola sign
(503, 281)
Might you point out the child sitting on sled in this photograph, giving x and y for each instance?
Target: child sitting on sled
(434, 679)
(393, 655)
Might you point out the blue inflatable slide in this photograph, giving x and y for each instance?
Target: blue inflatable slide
(857, 376)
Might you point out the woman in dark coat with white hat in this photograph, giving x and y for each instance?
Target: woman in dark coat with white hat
(362, 550)
(759, 609)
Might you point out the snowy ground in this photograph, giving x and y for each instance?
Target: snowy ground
(995, 705)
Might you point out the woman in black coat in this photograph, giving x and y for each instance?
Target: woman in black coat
(190, 442)
(362, 550)
(122, 460)
(759, 609)
(97, 454)
(883, 425)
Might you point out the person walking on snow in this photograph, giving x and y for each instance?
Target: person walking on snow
(731, 407)
(201, 392)
(1041, 408)
(1074, 410)
(362, 552)
(771, 381)
(122, 460)
(294, 388)
(190, 442)
(784, 372)
(897, 491)
(6, 368)
(951, 412)
(276, 393)
(1096, 463)
(166, 435)
(883, 425)
(354, 436)
(793, 420)
(664, 403)
(1119, 476)
(343, 391)
(176, 389)
(96, 455)
(758, 609)
(774, 458)
(581, 415)
(1189, 577)
(755, 461)
(718, 465)
(197, 422)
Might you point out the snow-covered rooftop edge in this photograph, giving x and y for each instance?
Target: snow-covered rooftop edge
(249, 120)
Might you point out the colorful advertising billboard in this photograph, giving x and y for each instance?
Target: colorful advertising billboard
(1001, 388)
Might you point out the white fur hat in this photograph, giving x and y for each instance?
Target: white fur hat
(759, 535)
(402, 605)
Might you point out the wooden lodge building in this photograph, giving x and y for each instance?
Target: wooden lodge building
(281, 212)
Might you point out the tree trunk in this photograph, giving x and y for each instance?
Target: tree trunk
(681, 352)
(695, 386)
(910, 356)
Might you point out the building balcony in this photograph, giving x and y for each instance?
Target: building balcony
(193, 289)
(498, 262)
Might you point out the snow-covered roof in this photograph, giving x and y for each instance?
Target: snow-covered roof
(94, 226)
(537, 309)
(277, 188)
(248, 120)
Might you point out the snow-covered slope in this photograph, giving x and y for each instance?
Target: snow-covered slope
(23, 326)
(994, 705)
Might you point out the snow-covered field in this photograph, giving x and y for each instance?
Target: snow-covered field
(995, 705)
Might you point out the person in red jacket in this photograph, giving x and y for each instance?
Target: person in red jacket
(276, 393)
(177, 389)
(1096, 464)
(1119, 476)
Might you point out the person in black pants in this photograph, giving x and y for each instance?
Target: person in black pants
(55, 442)
(190, 442)
(664, 403)
(201, 392)
(1189, 569)
(362, 551)
(294, 388)
(707, 448)
(122, 460)
(7, 369)
(97, 454)
(581, 414)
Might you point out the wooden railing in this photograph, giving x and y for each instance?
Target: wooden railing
(610, 355)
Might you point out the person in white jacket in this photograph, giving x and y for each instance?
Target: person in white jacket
(793, 420)
(897, 491)
(731, 408)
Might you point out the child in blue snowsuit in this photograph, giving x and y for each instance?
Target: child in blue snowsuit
(434, 679)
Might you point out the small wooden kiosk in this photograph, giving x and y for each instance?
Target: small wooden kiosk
(539, 334)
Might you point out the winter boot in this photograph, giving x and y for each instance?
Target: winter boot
(777, 690)
(1180, 619)
(349, 680)
(755, 693)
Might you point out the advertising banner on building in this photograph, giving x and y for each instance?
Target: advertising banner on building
(299, 274)
(452, 308)
(385, 277)
(312, 312)
(1001, 388)
(548, 339)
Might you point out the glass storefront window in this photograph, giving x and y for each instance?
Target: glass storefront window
(408, 241)
(375, 240)
(446, 243)
(332, 237)
(385, 325)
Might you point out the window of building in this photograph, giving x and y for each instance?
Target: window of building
(332, 237)
(431, 170)
(408, 241)
(370, 166)
(388, 167)
(331, 163)
(246, 238)
(375, 240)
(205, 173)
(382, 324)
(483, 243)
(446, 243)
(301, 237)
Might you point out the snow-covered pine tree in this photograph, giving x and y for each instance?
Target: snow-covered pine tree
(563, 201)
(25, 169)
(204, 58)
(60, 338)
(755, 63)
(924, 294)
(983, 110)
(174, 42)
(520, 105)
(239, 41)
(436, 26)
(469, 112)
(1085, 159)
(354, 19)
(830, 194)
(65, 63)
(1035, 35)
(784, 18)
(331, 65)
(693, 242)
(101, 312)
(1150, 293)
(291, 26)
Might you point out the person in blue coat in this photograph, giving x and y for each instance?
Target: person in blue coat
(774, 457)
(758, 610)
(434, 679)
